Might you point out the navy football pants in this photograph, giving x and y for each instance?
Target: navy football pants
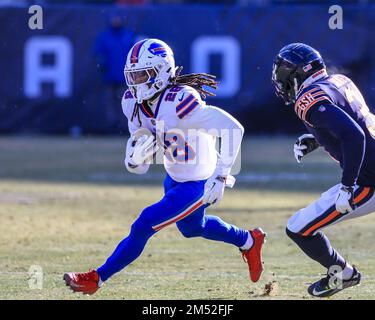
(181, 204)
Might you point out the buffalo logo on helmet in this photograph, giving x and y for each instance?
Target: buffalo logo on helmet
(157, 49)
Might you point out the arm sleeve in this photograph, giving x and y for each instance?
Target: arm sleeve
(132, 127)
(220, 124)
(348, 132)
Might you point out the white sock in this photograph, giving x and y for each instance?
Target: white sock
(100, 282)
(347, 273)
(249, 242)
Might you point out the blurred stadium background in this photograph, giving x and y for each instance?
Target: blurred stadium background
(65, 196)
(66, 78)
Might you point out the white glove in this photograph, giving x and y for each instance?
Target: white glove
(142, 149)
(298, 151)
(345, 199)
(214, 189)
(304, 145)
(133, 168)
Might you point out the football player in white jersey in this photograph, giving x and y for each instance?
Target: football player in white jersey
(165, 110)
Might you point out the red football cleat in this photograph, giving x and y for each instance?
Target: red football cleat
(86, 282)
(253, 256)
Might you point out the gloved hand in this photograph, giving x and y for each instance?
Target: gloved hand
(345, 199)
(142, 149)
(304, 145)
(214, 189)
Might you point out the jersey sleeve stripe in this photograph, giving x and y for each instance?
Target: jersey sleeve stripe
(318, 93)
(312, 91)
(303, 116)
(299, 113)
(184, 102)
(188, 109)
(186, 106)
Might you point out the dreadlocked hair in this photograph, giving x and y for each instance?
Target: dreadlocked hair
(196, 81)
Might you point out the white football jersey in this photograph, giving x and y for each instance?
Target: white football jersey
(186, 126)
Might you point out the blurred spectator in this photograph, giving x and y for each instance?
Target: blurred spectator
(111, 48)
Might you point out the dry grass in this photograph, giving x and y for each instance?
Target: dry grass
(65, 204)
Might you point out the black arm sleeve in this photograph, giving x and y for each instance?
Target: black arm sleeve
(350, 135)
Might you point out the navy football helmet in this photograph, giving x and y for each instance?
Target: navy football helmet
(292, 66)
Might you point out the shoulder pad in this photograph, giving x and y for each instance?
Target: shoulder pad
(339, 80)
(127, 103)
(128, 95)
(183, 98)
(308, 97)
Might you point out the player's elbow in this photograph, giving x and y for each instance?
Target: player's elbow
(362, 140)
(361, 134)
(238, 129)
(357, 135)
(241, 129)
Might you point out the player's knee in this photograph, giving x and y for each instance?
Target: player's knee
(142, 224)
(189, 231)
(293, 225)
(137, 227)
(294, 233)
(290, 233)
(298, 238)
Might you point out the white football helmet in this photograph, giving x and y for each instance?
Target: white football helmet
(149, 67)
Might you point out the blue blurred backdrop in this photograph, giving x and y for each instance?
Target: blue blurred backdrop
(67, 77)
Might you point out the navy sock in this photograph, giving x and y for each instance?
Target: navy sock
(318, 248)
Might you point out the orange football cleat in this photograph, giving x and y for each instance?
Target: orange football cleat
(86, 282)
(253, 256)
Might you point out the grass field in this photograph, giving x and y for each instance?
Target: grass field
(65, 204)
